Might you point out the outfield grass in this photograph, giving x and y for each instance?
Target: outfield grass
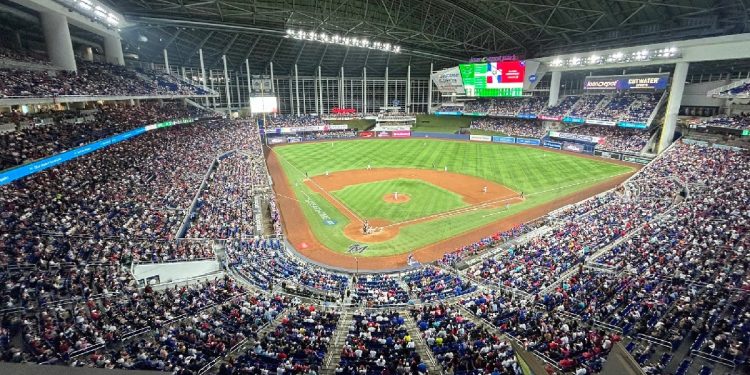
(366, 200)
(542, 175)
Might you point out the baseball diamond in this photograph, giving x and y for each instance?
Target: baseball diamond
(445, 183)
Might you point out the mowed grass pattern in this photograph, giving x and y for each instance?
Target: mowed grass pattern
(366, 200)
(542, 175)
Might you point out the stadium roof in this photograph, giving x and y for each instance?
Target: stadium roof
(439, 31)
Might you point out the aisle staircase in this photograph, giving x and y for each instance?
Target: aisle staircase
(419, 344)
(333, 357)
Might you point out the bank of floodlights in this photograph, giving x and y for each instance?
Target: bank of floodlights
(617, 58)
(342, 41)
(94, 10)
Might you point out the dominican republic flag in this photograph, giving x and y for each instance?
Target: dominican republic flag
(494, 74)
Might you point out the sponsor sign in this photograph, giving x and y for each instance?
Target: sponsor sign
(656, 81)
(385, 134)
(294, 140)
(497, 58)
(476, 114)
(448, 113)
(338, 127)
(449, 80)
(327, 220)
(601, 122)
(401, 133)
(528, 141)
(635, 125)
(550, 144)
(499, 139)
(574, 120)
(526, 115)
(480, 138)
(276, 140)
(576, 137)
(576, 147)
(549, 118)
(366, 134)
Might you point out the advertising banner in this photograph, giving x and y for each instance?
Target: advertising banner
(526, 115)
(366, 134)
(601, 122)
(555, 145)
(576, 137)
(401, 133)
(385, 134)
(338, 126)
(447, 113)
(448, 81)
(549, 118)
(480, 138)
(657, 81)
(294, 140)
(499, 139)
(634, 125)
(276, 140)
(574, 120)
(528, 141)
(463, 137)
(476, 114)
(575, 147)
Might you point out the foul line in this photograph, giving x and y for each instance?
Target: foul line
(320, 188)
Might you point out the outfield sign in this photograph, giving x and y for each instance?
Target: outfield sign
(499, 139)
(366, 134)
(307, 129)
(443, 113)
(574, 120)
(555, 145)
(528, 116)
(633, 125)
(601, 122)
(480, 138)
(401, 133)
(528, 141)
(54, 160)
(549, 118)
(576, 137)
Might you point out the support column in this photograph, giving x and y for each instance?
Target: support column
(673, 105)
(226, 84)
(211, 83)
(429, 90)
(273, 83)
(166, 62)
(113, 50)
(57, 39)
(291, 94)
(385, 89)
(315, 95)
(554, 89)
(364, 89)
(203, 71)
(249, 83)
(184, 75)
(87, 53)
(239, 94)
(341, 89)
(408, 89)
(296, 86)
(320, 89)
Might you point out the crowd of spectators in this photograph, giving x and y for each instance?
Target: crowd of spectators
(740, 122)
(742, 89)
(31, 57)
(431, 283)
(298, 345)
(507, 107)
(562, 108)
(379, 290)
(294, 121)
(42, 135)
(91, 78)
(614, 138)
(460, 346)
(378, 343)
(171, 83)
(128, 193)
(586, 105)
(511, 127)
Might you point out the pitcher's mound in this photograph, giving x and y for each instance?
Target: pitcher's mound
(402, 198)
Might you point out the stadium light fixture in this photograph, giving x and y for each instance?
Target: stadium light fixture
(95, 10)
(618, 58)
(342, 41)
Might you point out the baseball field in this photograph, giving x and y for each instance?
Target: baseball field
(420, 196)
